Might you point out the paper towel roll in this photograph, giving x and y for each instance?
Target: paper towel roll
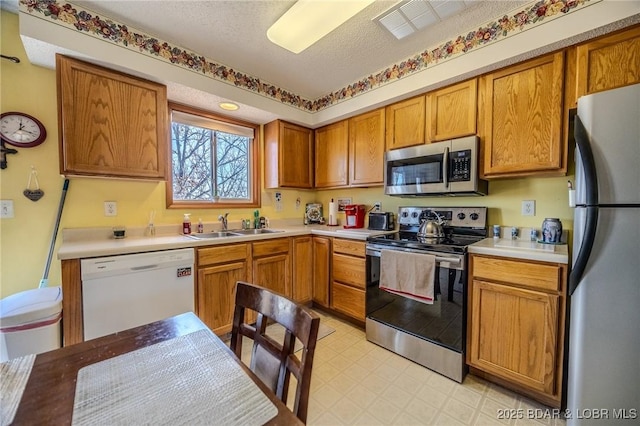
(333, 213)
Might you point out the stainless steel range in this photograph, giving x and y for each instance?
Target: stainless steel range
(433, 335)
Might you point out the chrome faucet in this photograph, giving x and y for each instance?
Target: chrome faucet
(223, 219)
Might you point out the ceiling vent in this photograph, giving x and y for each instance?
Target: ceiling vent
(410, 16)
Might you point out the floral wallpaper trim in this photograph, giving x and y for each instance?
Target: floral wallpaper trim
(84, 21)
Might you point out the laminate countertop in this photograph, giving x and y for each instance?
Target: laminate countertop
(522, 249)
(80, 243)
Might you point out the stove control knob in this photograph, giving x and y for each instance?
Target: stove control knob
(414, 215)
(461, 216)
(405, 214)
(474, 216)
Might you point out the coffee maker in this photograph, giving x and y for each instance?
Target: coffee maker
(354, 215)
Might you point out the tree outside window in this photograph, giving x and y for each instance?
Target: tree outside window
(211, 162)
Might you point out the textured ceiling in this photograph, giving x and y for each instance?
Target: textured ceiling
(233, 33)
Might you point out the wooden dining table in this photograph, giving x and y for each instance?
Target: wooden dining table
(54, 384)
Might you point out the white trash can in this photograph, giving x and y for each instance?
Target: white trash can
(30, 322)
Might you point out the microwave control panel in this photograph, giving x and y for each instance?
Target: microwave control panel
(460, 166)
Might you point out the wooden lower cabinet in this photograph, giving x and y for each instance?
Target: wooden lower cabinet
(302, 269)
(516, 324)
(321, 270)
(271, 265)
(219, 268)
(348, 278)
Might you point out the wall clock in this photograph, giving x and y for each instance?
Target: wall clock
(21, 130)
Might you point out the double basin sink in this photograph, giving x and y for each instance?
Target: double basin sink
(232, 233)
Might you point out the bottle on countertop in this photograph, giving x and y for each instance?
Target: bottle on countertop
(186, 224)
(200, 226)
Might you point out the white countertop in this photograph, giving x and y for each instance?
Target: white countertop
(81, 243)
(522, 249)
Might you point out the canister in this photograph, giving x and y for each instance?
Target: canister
(551, 230)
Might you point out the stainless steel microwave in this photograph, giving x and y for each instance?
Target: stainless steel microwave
(441, 168)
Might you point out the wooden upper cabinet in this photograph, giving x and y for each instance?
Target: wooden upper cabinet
(608, 62)
(366, 148)
(405, 123)
(111, 124)
(288, 155)
(451, 111)
(332, 152)
(521, 118)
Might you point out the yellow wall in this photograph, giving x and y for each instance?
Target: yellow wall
(25, 239)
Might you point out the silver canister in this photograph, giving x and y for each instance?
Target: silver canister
(551, 230)
(496, 231)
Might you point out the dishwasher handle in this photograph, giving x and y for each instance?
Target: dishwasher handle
(144, 268)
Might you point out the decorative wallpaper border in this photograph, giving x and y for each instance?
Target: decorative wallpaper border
(84, 21)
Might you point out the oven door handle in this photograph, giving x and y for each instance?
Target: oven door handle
(376, 253)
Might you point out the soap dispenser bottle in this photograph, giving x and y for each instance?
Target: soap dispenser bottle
(186, 224)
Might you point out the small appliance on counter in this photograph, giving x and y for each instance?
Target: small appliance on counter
(313, 214)
(354, 215)
(382, 221)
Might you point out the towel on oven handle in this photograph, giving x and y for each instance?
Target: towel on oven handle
(409, 275)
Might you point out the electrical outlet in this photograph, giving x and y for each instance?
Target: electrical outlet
(278, 204)
(377, 206)
(6, 209)
(110, 208)
(529, 208)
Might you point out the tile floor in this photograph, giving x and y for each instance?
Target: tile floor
(356, 382)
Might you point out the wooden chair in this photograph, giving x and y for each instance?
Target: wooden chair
(271, 361)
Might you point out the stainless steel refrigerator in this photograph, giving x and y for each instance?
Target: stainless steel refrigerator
(603, 381)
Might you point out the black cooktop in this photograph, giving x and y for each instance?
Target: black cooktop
(450, 243)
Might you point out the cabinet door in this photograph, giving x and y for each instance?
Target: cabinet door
(366, 148)
(514, 334)
(302, 274)
(609, 62)
(111, 124)
(321, 270)
(405, 123)
(332, 151)
(348, 300)
(288, 159)
(216, 294)
(522, 118)
(272, 272)
(451, 112)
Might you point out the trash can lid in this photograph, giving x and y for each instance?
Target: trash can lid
(30, 306)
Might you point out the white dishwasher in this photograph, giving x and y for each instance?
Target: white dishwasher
(121, 292)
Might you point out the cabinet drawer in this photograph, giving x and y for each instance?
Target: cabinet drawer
(353, 248)
(223, 254)
(269, 247)
(348, 300)
(541, 276)
(349, 270)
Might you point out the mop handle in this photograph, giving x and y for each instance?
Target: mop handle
(45, 276)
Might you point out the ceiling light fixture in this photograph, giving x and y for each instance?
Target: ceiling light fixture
(409, 16)
(228, 106)
(309, 20)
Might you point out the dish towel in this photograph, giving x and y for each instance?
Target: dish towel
(408, 274)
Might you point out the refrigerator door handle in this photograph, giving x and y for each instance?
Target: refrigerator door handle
(591, 205)
(588, 237)
(588, 163)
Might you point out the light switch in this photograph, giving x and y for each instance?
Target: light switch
(6, 209)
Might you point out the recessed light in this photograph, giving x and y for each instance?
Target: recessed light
(228, 106)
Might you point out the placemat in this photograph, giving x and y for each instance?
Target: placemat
(13, 379)
(187, 380)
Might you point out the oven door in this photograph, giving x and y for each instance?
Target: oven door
(443, 322)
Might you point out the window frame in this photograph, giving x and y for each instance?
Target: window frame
(254, 165)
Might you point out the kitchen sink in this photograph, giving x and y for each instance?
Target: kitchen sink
(254, 231)
(218, 234)
(232, 233)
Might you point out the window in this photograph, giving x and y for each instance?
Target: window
(214, 161)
